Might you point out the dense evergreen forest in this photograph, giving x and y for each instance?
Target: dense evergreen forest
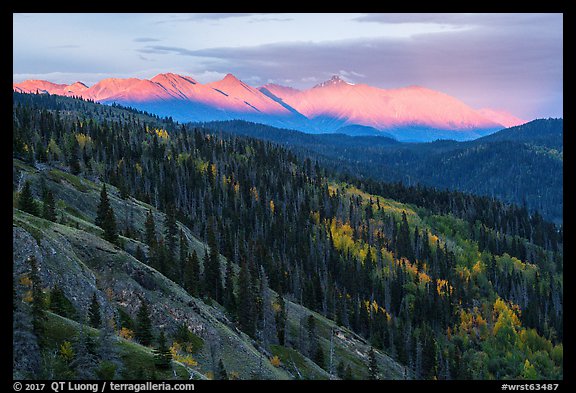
(449, 284)
(520, 165)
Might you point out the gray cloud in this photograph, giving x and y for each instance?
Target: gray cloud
(270, 19)
(481, 19)
(70, 46)
(142, 57)
(145, 39)
(163, 50)
(208, 16)
(503, 67)
(507, 61)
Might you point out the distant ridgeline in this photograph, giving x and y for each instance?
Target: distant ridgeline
(412, 113)
(521, 165)
(148, 249)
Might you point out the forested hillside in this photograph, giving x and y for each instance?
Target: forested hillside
(324, 274)
(521, 165)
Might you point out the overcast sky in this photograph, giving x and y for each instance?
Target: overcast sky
(510, 62)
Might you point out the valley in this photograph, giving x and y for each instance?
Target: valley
(145, 248)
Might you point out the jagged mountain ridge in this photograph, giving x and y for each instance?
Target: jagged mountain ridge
(411, 113)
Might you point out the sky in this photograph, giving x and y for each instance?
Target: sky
(510, 62)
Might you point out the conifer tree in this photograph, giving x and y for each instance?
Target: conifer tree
(84, 363)
(246, 317)
(372, 365)
(160, 258)
(103, 207)
(38, 303)
(105, 218)
(25, 349)
(94, 317)
(150, 230)
(222, 374)
(319, 356)
(26, 200)
(348, 373)
(170, 232)
(139, 254)
(280, 319)
(162, 355)
(403, 242)
(183, 246)
(229, 296)
(312, 337)
(192, 274)
(111, 364)
(340, 369)
(41, 153)
(59, 304)
(48, 206)
(212, 274)
(73, 160)
(109, 226)
(143, 331)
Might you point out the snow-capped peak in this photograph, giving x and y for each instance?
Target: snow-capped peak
(334, 81)
(78, 84)
(230, 78)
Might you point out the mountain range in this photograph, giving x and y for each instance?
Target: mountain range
(411, 113)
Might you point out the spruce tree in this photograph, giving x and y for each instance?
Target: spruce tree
(162, 355)
(229, 296)
(192, 274)
(143, 331)
(319, 356)
(26, 200)
(108, 352)
(160, 258)
(38, 303)
(85, 361)
(123, 188)
(94, 317)
(103, 208)
(340, 369)
(312, 337)
(57, 301)
(404, 244)
(48, 205)
(150, 230)
(246, 317)
(183, 257)
(139, 254)
(372, 365)
(109, 226)
(348, 373)
(73, 160)
(170, 232)
(280, 319)
(212, 274)
(222, 374)
(204, 291)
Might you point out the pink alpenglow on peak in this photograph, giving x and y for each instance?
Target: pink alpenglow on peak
(336, 80)
(278, 91)
(501, 117)
(39, 86)
(325, 107)
(76, 88)
(386, 108)
(246, 97)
